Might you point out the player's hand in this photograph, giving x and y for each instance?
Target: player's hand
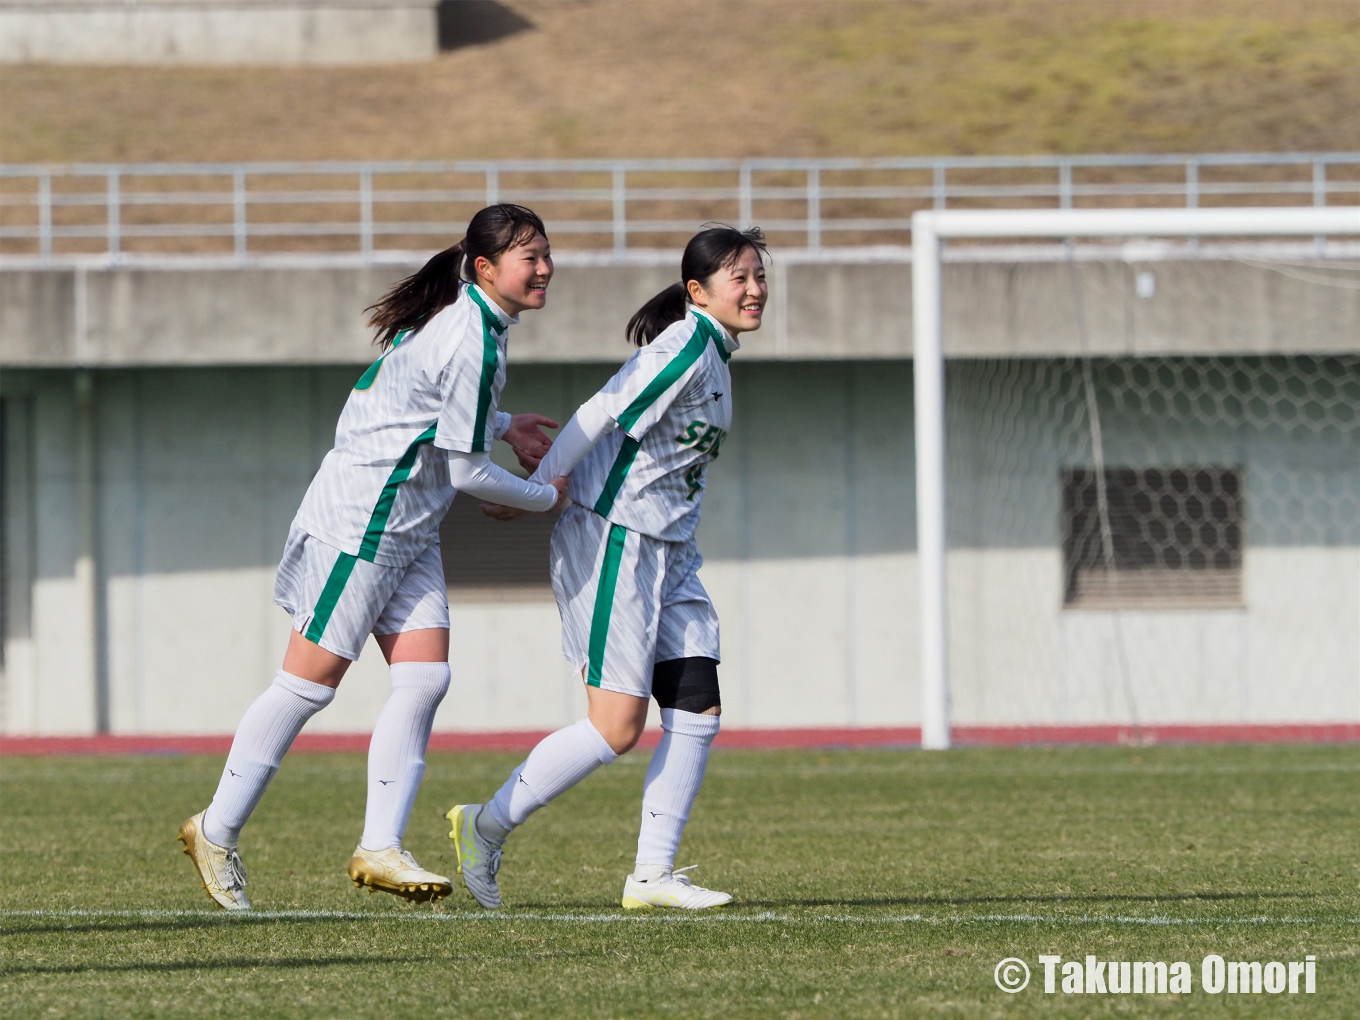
(528, 439)
(503, 513)
(527, 460)
(560, 484)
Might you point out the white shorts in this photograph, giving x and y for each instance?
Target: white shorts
(627, 601)
(337, 600)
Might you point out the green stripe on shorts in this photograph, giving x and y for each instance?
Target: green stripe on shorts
(330, 595)
(604, 601)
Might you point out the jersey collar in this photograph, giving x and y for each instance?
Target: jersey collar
(724, 342)
(490, 307)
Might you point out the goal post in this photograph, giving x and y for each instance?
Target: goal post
(929, 229)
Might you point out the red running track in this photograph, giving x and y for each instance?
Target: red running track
(829, 737)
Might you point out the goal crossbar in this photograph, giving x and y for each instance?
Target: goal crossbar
(928, 228)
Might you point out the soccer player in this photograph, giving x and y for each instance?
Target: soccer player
(636, 620)
(362, 556)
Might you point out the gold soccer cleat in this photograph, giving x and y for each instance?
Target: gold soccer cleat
(396, 871)
(220, 869)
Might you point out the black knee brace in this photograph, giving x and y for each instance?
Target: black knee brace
(691, 685)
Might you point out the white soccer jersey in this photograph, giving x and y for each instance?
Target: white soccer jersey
(382, 491)
(673, 404)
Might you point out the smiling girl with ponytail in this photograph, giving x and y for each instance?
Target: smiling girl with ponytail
(636, 620)
(362, 556)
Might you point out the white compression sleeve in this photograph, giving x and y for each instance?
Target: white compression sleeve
(475, 474)
(587, 427)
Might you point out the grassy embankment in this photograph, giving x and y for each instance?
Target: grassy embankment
(617, 78)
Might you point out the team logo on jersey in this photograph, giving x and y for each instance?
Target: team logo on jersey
(702, 436)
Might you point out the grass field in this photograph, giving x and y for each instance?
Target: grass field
(620, 78)
(868, 884)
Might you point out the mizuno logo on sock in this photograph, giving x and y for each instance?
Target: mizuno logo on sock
(236, 774)
(655, 814)
(386, 782)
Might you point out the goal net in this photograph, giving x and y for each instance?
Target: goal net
(1114, 538)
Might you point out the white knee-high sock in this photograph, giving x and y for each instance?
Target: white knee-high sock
(672, 784)
(559, 762)
(266, 732)
(396, 754)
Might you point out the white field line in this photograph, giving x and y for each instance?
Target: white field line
(649, 918)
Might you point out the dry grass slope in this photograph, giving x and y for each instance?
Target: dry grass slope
(611, 78)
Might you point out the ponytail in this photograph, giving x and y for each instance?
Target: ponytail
(711, 249)
(435, 285)
(419, 296)
(649, 321)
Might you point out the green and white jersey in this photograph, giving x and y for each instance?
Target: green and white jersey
(672, 401)
(382, 491)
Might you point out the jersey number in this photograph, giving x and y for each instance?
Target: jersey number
(694, 478)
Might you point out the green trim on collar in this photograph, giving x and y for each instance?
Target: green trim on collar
(500, 326)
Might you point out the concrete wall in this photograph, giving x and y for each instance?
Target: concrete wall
(200, 473)
(808, 534)
(217, 31)
(215, 390)
(829, 306)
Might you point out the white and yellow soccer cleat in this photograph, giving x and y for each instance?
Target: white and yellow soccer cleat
(394, 870)
(660, 887)
(219, 868)
(479, 859)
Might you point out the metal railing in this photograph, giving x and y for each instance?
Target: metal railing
(244, 209)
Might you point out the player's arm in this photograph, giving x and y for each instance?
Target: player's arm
(477, 475)
(588, 426)
(469, 422)
(634, 400)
